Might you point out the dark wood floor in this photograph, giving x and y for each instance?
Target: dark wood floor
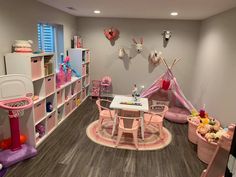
(69, 153)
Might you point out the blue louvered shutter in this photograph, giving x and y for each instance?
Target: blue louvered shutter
(46, 41)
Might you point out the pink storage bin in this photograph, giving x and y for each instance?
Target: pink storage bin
(192, 128)
(49, 84)
(83, 69)
(36, 68)
(59, 97)
(205, 150)
(39, 110)
(73, 104)
(68, 107)
(78, 86)
(51, 122)
(83, 93)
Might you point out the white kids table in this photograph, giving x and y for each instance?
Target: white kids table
(116, 104)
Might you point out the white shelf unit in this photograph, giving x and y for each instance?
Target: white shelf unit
(80, 61)
(41, 69)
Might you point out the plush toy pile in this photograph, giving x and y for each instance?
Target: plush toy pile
(23, 46)
(208, 128)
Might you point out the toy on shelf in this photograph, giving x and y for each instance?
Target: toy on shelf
(106, 84)
(6, 143)
(40, 129)
(135, 93)
(49, 107)
(78, 102)
(16, 102)
(65, 72)
(23, 46)
(96, 88)
(77, 42)
(60, 77)
(35, 97)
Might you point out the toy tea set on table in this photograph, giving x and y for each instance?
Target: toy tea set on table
(135, 95)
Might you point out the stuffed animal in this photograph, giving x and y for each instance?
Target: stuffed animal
(203, 129)
(40, 128)
(210, 137)
(49, 107)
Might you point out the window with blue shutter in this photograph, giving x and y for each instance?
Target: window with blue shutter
(46, 37)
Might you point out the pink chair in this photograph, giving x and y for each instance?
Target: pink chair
(106, 84)
(129, 122)
(155, 117)
(104, 112)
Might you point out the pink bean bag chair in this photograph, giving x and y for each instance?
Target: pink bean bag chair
(177, 115)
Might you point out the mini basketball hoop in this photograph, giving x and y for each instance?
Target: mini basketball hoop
(17, 106)
(16, 109)
(15, 97)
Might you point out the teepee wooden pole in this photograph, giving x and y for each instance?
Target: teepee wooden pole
(174, 62)
(164, 61)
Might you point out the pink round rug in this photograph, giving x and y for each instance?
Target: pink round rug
(151, 141)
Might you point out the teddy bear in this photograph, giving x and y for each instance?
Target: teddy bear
(204, 129)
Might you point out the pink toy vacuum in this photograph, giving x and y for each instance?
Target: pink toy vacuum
(15, 101)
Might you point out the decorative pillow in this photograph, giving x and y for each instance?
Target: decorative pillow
(23, 44)
(177, 115)
(23, 50)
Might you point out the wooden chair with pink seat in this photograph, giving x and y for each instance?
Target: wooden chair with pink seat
(104, 112)
(155, 117)
(129, 122)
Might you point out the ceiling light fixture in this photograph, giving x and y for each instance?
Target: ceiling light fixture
(97, 11)
(174, 13)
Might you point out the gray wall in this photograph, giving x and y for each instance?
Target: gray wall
(215, 67)
(19, 20)
(126, 72)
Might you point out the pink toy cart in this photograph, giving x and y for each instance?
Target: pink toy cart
(96, 88)
(15, 101)
(106, 85)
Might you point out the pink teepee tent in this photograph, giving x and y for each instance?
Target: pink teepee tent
(168, 83)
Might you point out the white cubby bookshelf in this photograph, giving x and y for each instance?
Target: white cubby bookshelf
(80, 61)
(65, 99)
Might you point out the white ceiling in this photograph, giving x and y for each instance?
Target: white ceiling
(160, 9)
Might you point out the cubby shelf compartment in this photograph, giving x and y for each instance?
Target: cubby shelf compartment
(60, 113)
(50, 84)
(51, 100)
(60, 97)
